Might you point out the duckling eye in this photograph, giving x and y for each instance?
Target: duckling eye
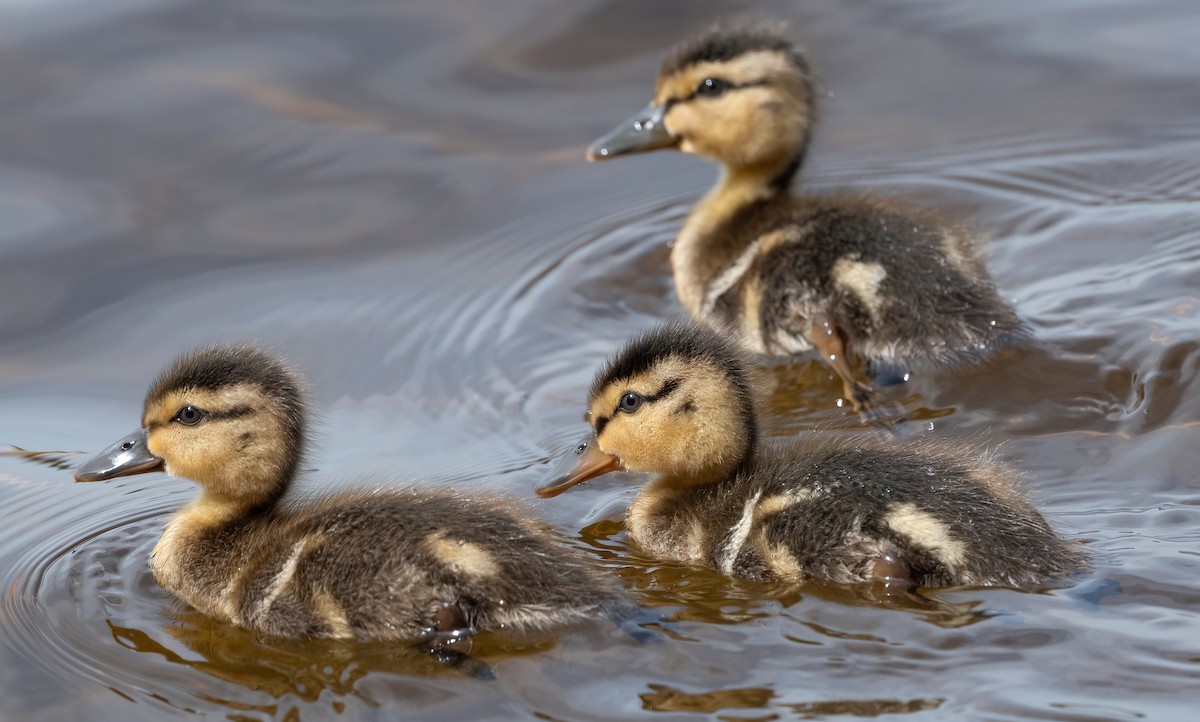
(189, 415)
(631, 402)
(711, 87)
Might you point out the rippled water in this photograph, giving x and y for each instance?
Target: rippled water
(393, 194)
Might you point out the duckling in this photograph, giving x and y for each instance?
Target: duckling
(858, 278)
(368, 565)
(678, 403)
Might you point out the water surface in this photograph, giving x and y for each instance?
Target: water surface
(393, 195)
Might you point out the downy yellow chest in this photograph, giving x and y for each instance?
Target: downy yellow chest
(704, 251)
(175, 568)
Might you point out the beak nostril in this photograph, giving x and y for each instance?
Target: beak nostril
(127, 446)
(581, 448)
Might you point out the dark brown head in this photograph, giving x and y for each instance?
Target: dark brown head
(229, 417)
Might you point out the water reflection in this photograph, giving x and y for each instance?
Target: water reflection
(307, 670)
(662, 698)
(100, 587)
(863, 707)
(58, 460)
(703, 595)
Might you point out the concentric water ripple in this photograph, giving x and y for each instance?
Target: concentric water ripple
(83, 605)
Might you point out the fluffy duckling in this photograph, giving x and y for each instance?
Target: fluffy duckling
(424, 566)
(853, 276)
(678, 403)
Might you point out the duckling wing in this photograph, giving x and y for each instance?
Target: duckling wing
(387, 565)
(901, 286)
(836, 513)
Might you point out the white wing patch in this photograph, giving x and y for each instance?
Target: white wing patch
(461, 555)
(925, 530)
(282, 578)
(738, 534)
(862, 280)
(729, 278)
(734, 273)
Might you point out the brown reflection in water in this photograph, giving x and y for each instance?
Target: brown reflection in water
(1037, 383)
(1044, 388)
(61, 460)
(662, 698)
(705, 595)
(803, 394)
(306, 669)
(702, 595)
(863, 707)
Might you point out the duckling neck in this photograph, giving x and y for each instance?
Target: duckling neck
(201, 548)
(672, 516)
(661, 520)
(198, 520)
(706, 249)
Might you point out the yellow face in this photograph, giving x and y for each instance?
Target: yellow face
(748, 112)
(232, 441)
(678, 420)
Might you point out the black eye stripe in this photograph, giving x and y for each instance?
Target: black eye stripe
(667, 389)
(234, 413)
(711, 87)
(696, 93)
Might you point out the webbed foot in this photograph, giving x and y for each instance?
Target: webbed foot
(874, 408)
(864, 397)
(466, 664)
(893, 575)
(448, 640)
